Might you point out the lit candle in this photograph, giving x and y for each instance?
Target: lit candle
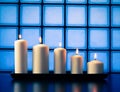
(60, 60)
(76, 63)
(95, 66)
(20, 55)
(40, 58)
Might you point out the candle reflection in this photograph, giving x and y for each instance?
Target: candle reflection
(76, 87)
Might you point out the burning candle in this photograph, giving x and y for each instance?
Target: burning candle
(76, 63)
(40, 58)
(60, 60)
(95, 66)
(20, 55)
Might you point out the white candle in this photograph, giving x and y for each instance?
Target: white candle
(95, 66)
(40, 58)
(20, 55)
(76, 63)
(60, 60)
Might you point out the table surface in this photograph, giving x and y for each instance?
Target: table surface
(111, 84)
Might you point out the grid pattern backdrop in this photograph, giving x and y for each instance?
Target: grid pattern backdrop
(93, 26)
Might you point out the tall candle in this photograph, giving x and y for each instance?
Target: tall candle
(60, 60)
(95, 66)
(20, 55)
(76, 63)
(40, 58)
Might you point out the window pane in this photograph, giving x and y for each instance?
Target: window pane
(115, 1)
(31, 35)
(29, 61)
(115, 61)
(8, 0)
(99, 16)
(98, 1)
(99, 38)
(115, 16)
(76, 15)
(52, 37)
(71, 53)
(51, 61)
(76, 1)
(8, 14)
(30, 15)
(76, 38)
(102, 56)
(53, 1)
(7, 37)
(31, 1)
(53, 15)
(7, 60)
(115, 38)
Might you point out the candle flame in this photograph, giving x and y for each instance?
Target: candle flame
(95, 56)
(40, 39)
(60, 44)
(19, 36)
(77, 51)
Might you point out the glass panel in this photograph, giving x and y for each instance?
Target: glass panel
(115, 16)
(102, 56)
(31, 1)
(98, 1)
(7, 60)
(99, 38)
(51, 61)
(7, 37)
(115, 1)
(98, 16)
(9, 1)
(76, 38)
(31, 35)
(76, 1)
(115, 38)
(115, 61)
(8, 14)
(30, 60)
(52, 37)
(53, 1)
(76, 15)
(53, 15)
(71, 53)
(31, 15)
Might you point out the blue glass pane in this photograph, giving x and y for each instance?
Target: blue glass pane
(115, 16)
(102, 56)
(31, 15)
(52, 37)
(31, 35)
(98, 1)
(51, 61)
(53, 1)
(99, 38)
(71, 53)
(31, 1)
(8, 14)
(115, 1)
(76, 15)
(76, 1)
(99, 16)
(115, 61)
(8, 0)
(7, 37)
(53, 15)
(115, 38)
(6, 60)
(76, 38)
(29, 64)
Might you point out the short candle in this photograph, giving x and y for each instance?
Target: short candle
(95, 66)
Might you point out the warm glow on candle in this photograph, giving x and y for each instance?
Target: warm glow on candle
(19, 36)
(40, 40)
(77, 51)
(95, 56)
(60, 44)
